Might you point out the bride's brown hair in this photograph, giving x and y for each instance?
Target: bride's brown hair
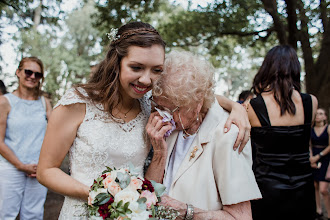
(103, 86)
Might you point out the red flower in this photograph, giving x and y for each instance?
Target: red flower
(147, 185)
(104, 209)
(104, 176)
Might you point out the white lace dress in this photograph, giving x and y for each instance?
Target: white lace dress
(102, 141)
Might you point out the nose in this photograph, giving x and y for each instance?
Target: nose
(145, 78)
(33, 76)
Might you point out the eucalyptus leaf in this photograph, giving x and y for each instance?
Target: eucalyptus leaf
(142, 200)
(159, 188)
(102, 198)
(133, 170)
(124, 179)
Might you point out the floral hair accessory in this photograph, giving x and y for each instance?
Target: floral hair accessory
(112, 35)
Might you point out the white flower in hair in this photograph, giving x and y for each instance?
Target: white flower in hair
(112, 34)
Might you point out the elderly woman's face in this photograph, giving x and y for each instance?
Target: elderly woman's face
(188, 117)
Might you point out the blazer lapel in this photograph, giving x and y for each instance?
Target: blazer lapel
(204, 136)
(170, 145)
(195, 150)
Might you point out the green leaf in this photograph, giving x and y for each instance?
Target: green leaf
(102, 198)
(119, 203)
(126, 206)
(142, 200)
(124, 179)
(112, 216)
(133, 170)
(159, 188)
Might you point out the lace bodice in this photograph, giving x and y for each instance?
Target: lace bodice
(102, 140)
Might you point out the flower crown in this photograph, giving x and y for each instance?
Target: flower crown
(113, 37)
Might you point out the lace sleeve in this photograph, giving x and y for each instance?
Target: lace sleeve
(71, 97)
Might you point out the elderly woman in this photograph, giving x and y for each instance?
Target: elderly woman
(204, 176)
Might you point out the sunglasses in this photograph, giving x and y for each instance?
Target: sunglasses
(154, 104)
(37, 75)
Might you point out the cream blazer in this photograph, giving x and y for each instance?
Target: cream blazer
(215, 175)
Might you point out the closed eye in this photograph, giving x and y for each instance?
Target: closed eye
(136, 68)
(158, 70)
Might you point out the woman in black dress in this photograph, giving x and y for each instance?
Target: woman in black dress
(281, 120)
(320, 160)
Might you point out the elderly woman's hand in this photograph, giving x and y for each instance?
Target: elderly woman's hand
(156, 130)
(239, 117)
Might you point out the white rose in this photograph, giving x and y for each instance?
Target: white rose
(144, 215)
(127, 195)
(93, 194)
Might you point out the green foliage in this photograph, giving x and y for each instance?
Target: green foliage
(115, 13)
(68, 58)
(159, 188)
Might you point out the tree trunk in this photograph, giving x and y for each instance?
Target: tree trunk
(37, 15)
(292, 23)
(271, 7)
(321, 83)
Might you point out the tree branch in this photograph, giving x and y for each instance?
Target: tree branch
(306, 47)
(323, 14)
(323, 61)
(271, 7)
(292, 23)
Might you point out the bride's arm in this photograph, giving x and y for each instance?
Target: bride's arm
(239, 117)
(61, 132)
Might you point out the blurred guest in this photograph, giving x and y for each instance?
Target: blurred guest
(244, 96)
(2, 88)
(281, 119)
(23, 123)
(320, 160)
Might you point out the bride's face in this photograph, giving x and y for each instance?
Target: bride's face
(139, 69)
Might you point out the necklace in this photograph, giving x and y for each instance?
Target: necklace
(125, 114)
(185, 133)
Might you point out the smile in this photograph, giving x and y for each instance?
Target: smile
(139, 89)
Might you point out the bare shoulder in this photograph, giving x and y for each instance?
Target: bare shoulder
(4, 104)
(69, 113)
(314, 101)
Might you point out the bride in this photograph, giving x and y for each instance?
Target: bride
(102, 123)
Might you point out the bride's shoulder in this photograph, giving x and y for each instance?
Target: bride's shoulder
(73, 96)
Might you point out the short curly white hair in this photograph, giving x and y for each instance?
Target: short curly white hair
(187, 79)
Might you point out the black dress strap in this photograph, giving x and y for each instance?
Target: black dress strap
(308, 107)
(259, 106)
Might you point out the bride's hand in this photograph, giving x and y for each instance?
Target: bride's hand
(156, 130)
(239, 117)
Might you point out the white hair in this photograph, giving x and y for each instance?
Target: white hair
(186, 80)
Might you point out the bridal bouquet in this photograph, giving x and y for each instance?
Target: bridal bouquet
(124, 195)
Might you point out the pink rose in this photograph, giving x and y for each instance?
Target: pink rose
(113, 188)
(150, 196)
(135, 183)
(107, 181)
